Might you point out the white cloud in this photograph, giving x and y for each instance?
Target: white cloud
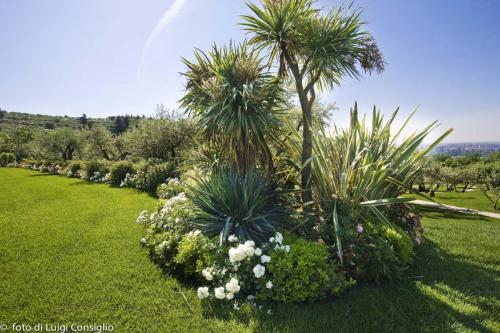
(171, 13)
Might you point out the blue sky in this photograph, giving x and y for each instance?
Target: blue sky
(106, 57)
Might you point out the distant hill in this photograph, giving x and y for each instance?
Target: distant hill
(9, 120)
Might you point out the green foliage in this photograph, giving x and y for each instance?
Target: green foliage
(191, 254)
(377, 253)
(6, 158)
(156, 175)
(92, 167)
(235, 101)
(163, 137)
(119, 170)
(401, 243)
(305, 273)
(245, 205)
(361, 165)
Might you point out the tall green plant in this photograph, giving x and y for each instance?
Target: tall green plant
(315, 50)
(246, 205)
(365, 165)
(235, 102)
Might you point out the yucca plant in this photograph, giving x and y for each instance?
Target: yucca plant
(245, 205)
(235, 102)
(364, 166)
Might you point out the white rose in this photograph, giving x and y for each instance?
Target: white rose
(249, 251)
(233, 286)
(264, 259)
(259, 271)
(202, 292)
(230, 296)
(232, 238)
(219, 293)
(258, 251)
(249, 243)
(279, 237)
(269, 284)
(207, 274)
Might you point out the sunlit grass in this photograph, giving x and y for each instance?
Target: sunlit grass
(69, 252)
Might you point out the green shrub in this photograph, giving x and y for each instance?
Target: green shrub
(157, 175)
(6, 158)
(305, 273)
(119, 171)
(402, 244)
(376, 253)
(244, 205)
(191, 252)
(73, 169)
(91, 167)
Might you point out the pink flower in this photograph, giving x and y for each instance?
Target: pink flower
(359, 228)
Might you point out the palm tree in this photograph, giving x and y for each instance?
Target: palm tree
(314, 49)
(235, 101)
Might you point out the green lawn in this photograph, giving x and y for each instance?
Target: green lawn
(69, 252)
(470, 199)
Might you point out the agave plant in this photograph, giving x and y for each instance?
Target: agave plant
(236, 103)
(245, 205)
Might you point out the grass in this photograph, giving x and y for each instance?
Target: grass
(69, 252)
(474, 199)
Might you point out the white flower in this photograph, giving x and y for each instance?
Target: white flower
(232, 238)
(271, 239)
(258, 251)
(264, 259)
(143, 240)
(359, 228)
(269, 312)
(250, 297)
(229, 295)
(249, 251)
(259, 271)
(207, 274)
(235, 306)
(219, 293)
(269, 284)
(286, 248)
(237, 253)
(249, 243)
(279, 238)
(233, 286)
(202, 292)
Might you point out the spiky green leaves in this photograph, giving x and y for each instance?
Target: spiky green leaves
(244, 205)
(235, 101)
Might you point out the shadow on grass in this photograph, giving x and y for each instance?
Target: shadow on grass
(439, 293)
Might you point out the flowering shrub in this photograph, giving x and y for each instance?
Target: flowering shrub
(238, 272)
(165, 229)
(91, 169)
(119, 171)
(170, 188)
(73, 169)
